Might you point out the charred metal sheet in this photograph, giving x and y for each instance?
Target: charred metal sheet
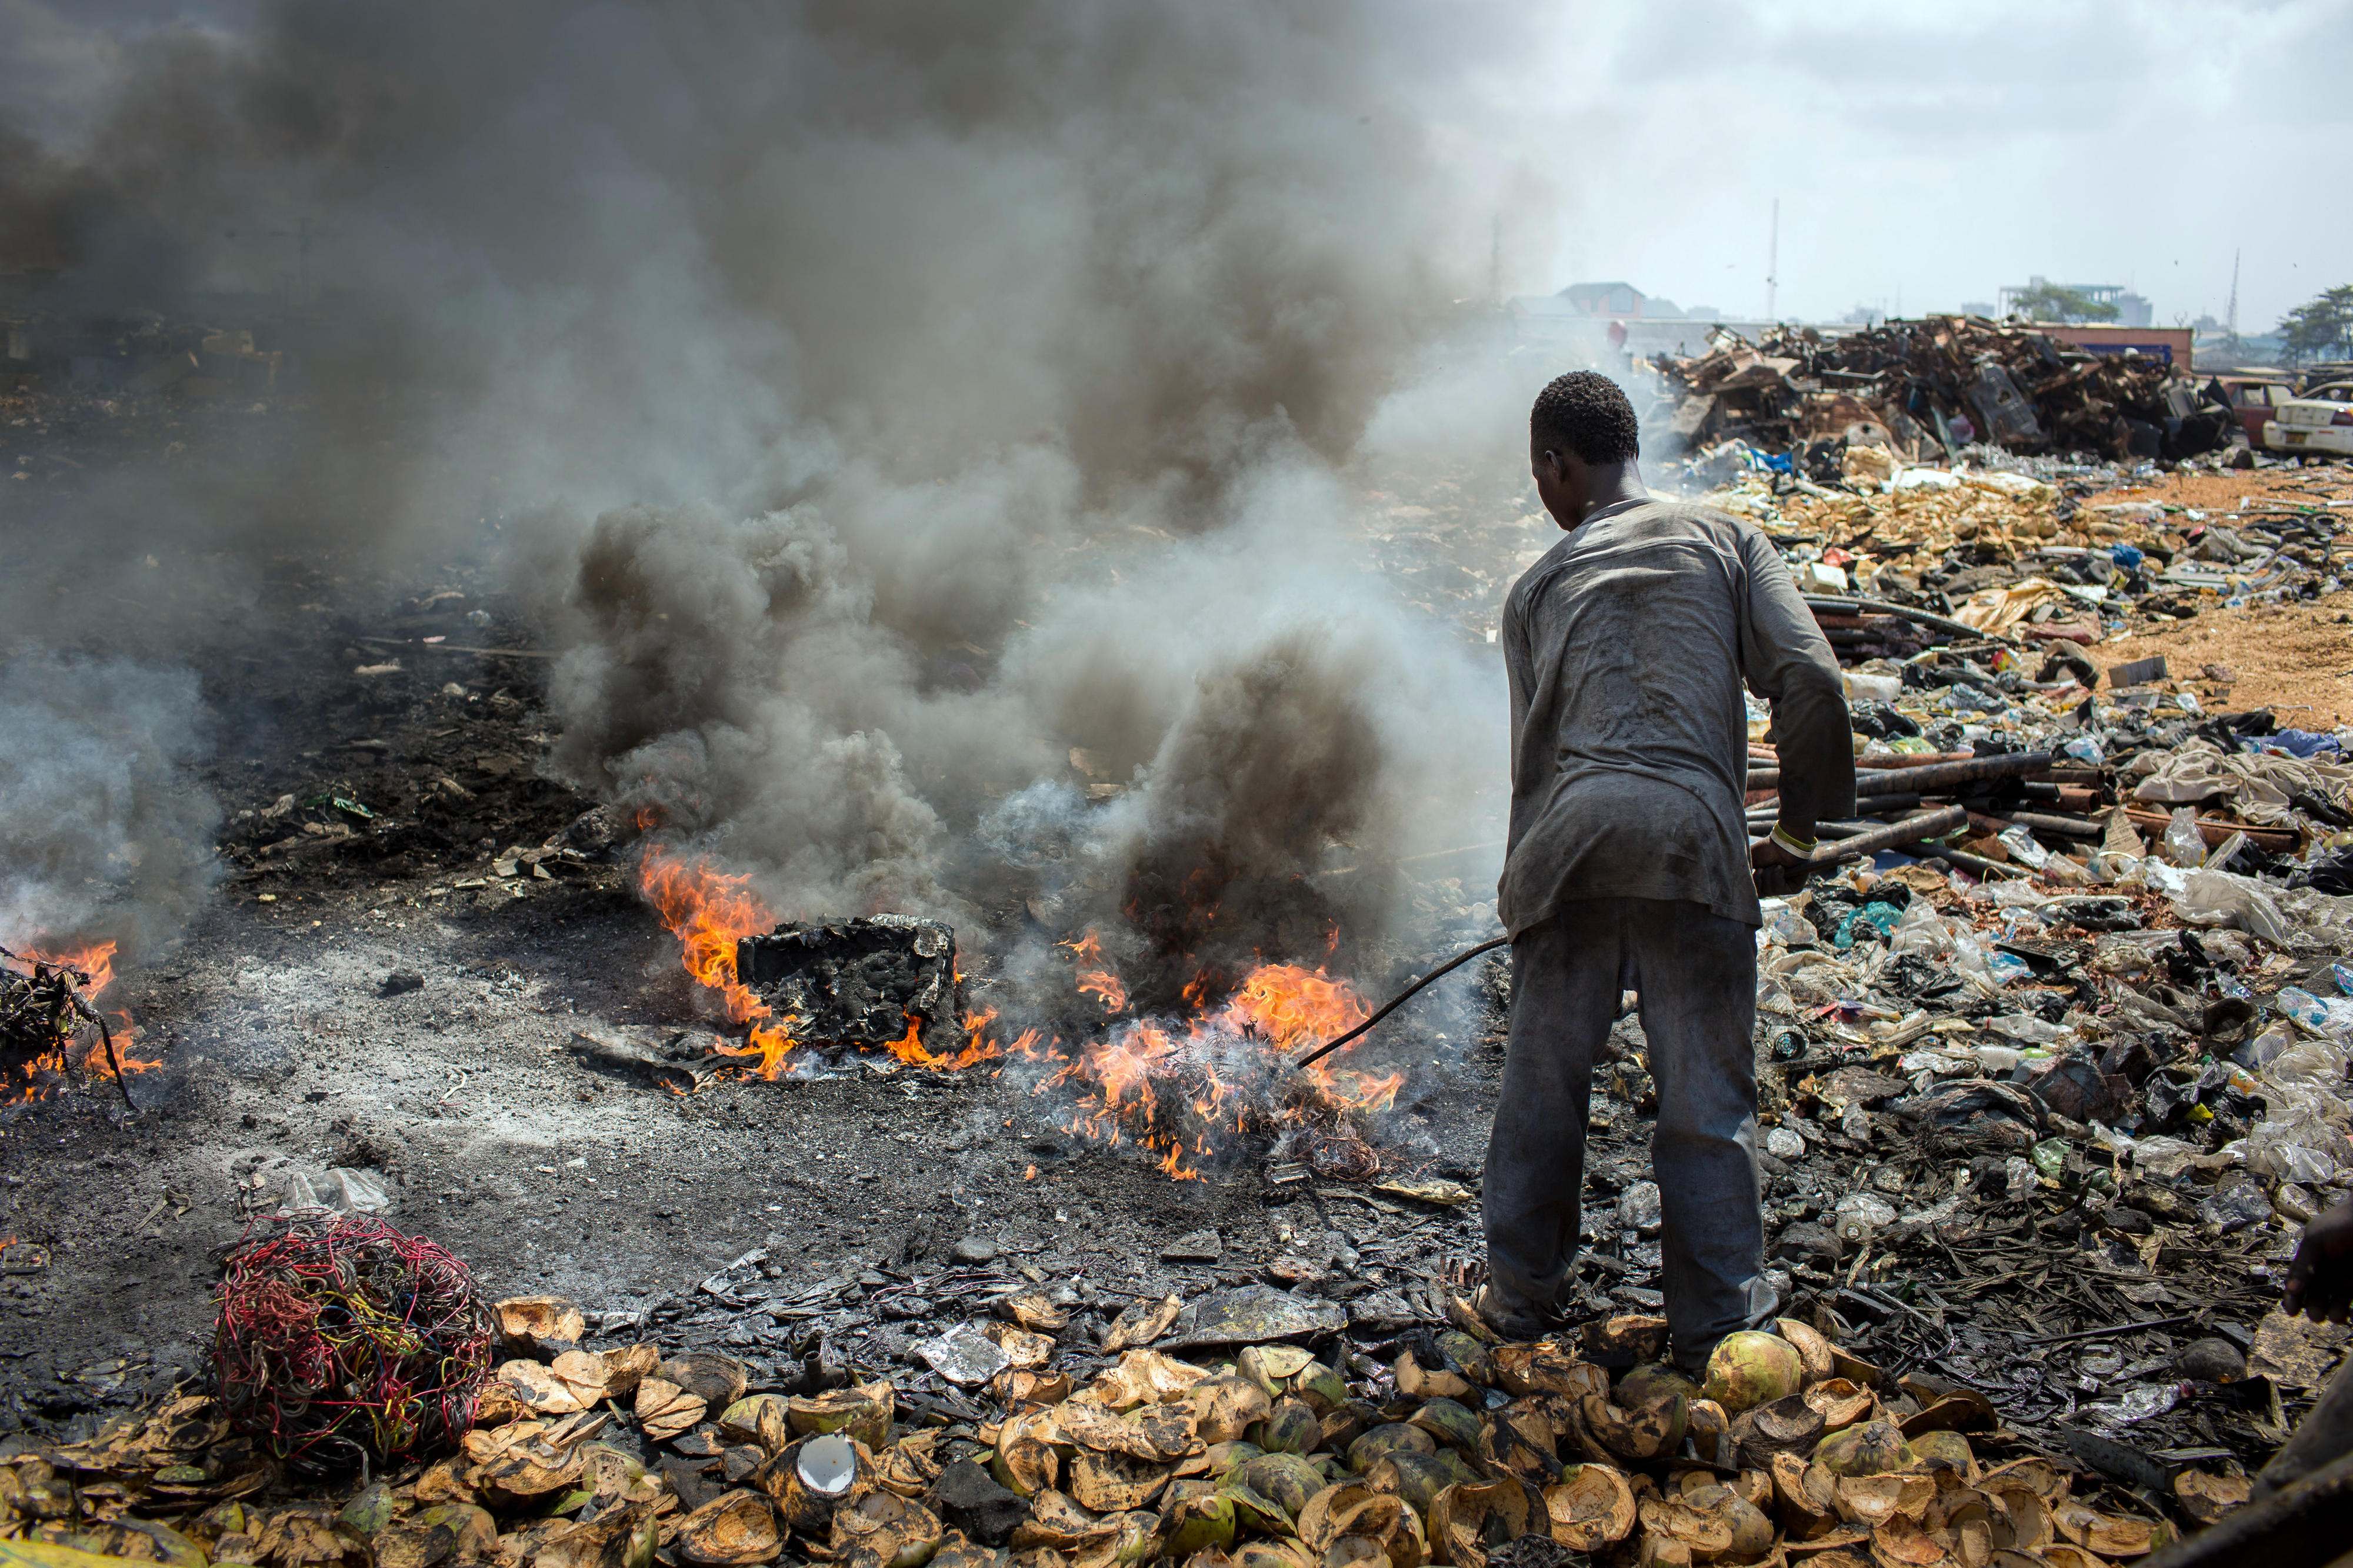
(854, 981)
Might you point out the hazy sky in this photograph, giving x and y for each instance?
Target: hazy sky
(1943, 151)
(1925, 153)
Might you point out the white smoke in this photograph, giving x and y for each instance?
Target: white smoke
(105, 836)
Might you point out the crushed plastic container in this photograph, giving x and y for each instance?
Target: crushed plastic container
(2301, 1005)
(2022, 847)
(1787, 927)
(1995, 1061)
(2261, 1051)
(2008, 968)
(2184, 844)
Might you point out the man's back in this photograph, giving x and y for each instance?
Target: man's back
(1627, 644)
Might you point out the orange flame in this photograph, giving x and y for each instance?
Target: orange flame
(1095, 977)
(709, 910)
(1172, 1087)
(97, 962)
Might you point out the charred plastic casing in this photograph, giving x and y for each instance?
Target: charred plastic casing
(857, 982)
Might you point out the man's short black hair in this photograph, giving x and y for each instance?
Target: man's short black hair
(1584, 412)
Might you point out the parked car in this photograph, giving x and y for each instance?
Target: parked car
(2319, 421)
(2255, 399)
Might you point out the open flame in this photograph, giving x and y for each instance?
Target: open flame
(709, 910)
(1095, 976)
(89, 970)
(1178, 1087)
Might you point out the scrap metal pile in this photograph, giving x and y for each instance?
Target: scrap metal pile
(1943, 383)
(1243, 1429)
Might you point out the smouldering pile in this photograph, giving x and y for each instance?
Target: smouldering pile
(41, 1011)
(341, 1340)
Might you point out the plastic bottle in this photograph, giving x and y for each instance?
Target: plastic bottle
(2304, 1007)
(2184, 844)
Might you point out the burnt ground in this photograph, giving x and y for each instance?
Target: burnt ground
(394, 823)
(282, 1057)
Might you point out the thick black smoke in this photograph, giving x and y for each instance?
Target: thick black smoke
(905, 394)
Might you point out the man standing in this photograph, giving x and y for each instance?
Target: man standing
(1629, 865)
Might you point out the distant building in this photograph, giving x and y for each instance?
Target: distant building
(1977, 307)
(2132, 309)
(1616, 301)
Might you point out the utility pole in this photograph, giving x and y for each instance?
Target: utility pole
(1772, 260)
(2230, 322)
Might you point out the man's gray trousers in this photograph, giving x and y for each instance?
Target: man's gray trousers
(1696, 973)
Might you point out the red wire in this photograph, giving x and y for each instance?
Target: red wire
(399, 1373)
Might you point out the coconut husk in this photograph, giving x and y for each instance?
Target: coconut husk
(733, 1529)
(1590, 1507)
(1464, 1518)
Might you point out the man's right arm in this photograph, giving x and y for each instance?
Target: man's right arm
(1788, 662)
(1519, 668)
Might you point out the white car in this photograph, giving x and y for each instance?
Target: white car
(2319, 421)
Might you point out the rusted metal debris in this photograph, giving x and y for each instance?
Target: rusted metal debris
(856, 982)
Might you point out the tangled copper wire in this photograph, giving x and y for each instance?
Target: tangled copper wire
(340, 1340)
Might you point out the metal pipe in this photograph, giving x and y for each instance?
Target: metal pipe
(1879, 805)
(1394, 1002)
(2058, 827)
(1939, 778)
(1911, 829)
(1878, 608)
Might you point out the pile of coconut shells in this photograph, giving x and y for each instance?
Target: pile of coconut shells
(1456, 1449)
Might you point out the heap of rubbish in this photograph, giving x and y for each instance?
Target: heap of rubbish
(1243, 1428)
(1938, 384)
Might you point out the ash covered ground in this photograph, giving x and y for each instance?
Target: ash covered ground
(402, 995)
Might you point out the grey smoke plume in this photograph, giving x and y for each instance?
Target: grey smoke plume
(105, 836)
(949, 387)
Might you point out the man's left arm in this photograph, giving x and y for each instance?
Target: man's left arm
(1788, 661)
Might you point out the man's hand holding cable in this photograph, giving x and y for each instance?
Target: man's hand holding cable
(1783, 861)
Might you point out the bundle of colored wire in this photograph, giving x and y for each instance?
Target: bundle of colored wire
(341, 1340)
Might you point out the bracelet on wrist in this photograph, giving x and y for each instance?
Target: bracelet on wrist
(1792, 843)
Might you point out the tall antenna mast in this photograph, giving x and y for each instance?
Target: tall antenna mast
(2232, 326)
(1773, 259)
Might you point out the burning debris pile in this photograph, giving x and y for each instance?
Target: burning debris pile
(1182, 1087)
(45, 1016)
(1945, 382)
